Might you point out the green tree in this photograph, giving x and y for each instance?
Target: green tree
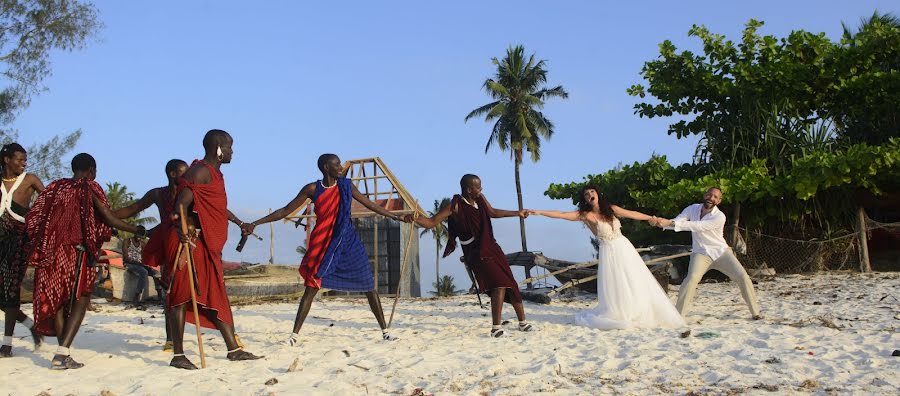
(444, 287)
(118, 197)
(519, 91)
(439, 233)
(759, 98)
(46, 159)
(32, 30)
(866, 100)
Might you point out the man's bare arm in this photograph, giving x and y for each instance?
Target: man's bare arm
(433, 221)
(139, 206)
(498, 213)
(373, 206)
(111, 220)
(305, 193)
(36, 183)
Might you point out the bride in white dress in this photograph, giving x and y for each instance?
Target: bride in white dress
(627, 293)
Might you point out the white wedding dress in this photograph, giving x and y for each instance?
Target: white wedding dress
(627, 293)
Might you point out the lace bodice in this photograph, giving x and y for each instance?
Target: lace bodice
(607, 231)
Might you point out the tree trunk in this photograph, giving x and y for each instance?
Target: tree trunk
(518, 161)
(864, 264)
(437, 260)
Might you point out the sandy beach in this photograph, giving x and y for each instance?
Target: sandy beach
(824, 334)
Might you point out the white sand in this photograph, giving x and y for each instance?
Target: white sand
(445, 349)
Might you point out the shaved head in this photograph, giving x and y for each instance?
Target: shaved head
(467, 180)
(215, 138)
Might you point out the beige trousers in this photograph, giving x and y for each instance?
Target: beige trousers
(729, 265)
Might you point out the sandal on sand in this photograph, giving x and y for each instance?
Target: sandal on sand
(388, 337)
(62, 362)
(182, 362)
(497, 333)
(240, 354)
(6, 351)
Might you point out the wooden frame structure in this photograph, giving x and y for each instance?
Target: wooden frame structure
(376, 181)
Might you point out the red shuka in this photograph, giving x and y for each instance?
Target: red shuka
(211, 206)
(62, 217)
(326, 208)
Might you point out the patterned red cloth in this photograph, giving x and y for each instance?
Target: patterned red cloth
(62, 217)
(211, 206)
(483, 255)
(326, 208)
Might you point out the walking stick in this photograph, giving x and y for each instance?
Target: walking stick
(409, 236)
(190, 267)
(472, 278)
(79, 261)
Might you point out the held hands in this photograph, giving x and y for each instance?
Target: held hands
(247, 228)
(659, 222)
(524, 213)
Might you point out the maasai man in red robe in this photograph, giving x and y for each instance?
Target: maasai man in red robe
(469, 216)
(15, 198)
(67, 225)
(335, 258)
(154, 255)
(201, 195)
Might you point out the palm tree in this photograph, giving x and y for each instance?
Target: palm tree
(118, 197)
(444, 287)
(439, 233)
(519, 92)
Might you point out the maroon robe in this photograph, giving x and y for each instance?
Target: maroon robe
(483, 255)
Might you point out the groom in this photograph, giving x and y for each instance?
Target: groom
(709, 251)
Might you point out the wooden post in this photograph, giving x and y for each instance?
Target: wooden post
(271, 240)
(375, 268)
(737, 222)
(864, 264)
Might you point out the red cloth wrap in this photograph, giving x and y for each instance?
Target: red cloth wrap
(211, 206)
(62, 217)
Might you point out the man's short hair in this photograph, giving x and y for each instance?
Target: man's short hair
(714, 188)
(323, 159)
(466, 179)
(173, 165)
(10, 149)
(83, 162)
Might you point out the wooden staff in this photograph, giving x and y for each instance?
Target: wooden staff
(409, 236)
(185, 247)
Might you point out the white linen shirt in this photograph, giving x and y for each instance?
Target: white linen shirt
(706, 233)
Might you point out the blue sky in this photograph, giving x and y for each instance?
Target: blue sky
(292, 80)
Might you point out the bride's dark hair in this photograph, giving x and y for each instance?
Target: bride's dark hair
(585, 206)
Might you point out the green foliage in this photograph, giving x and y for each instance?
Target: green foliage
(32, 30)
(444, 287)
(46, 159)
(620, 186)
(119, 197)
(811, 199)
(777, 98)
(866, 99)
(518, 91)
